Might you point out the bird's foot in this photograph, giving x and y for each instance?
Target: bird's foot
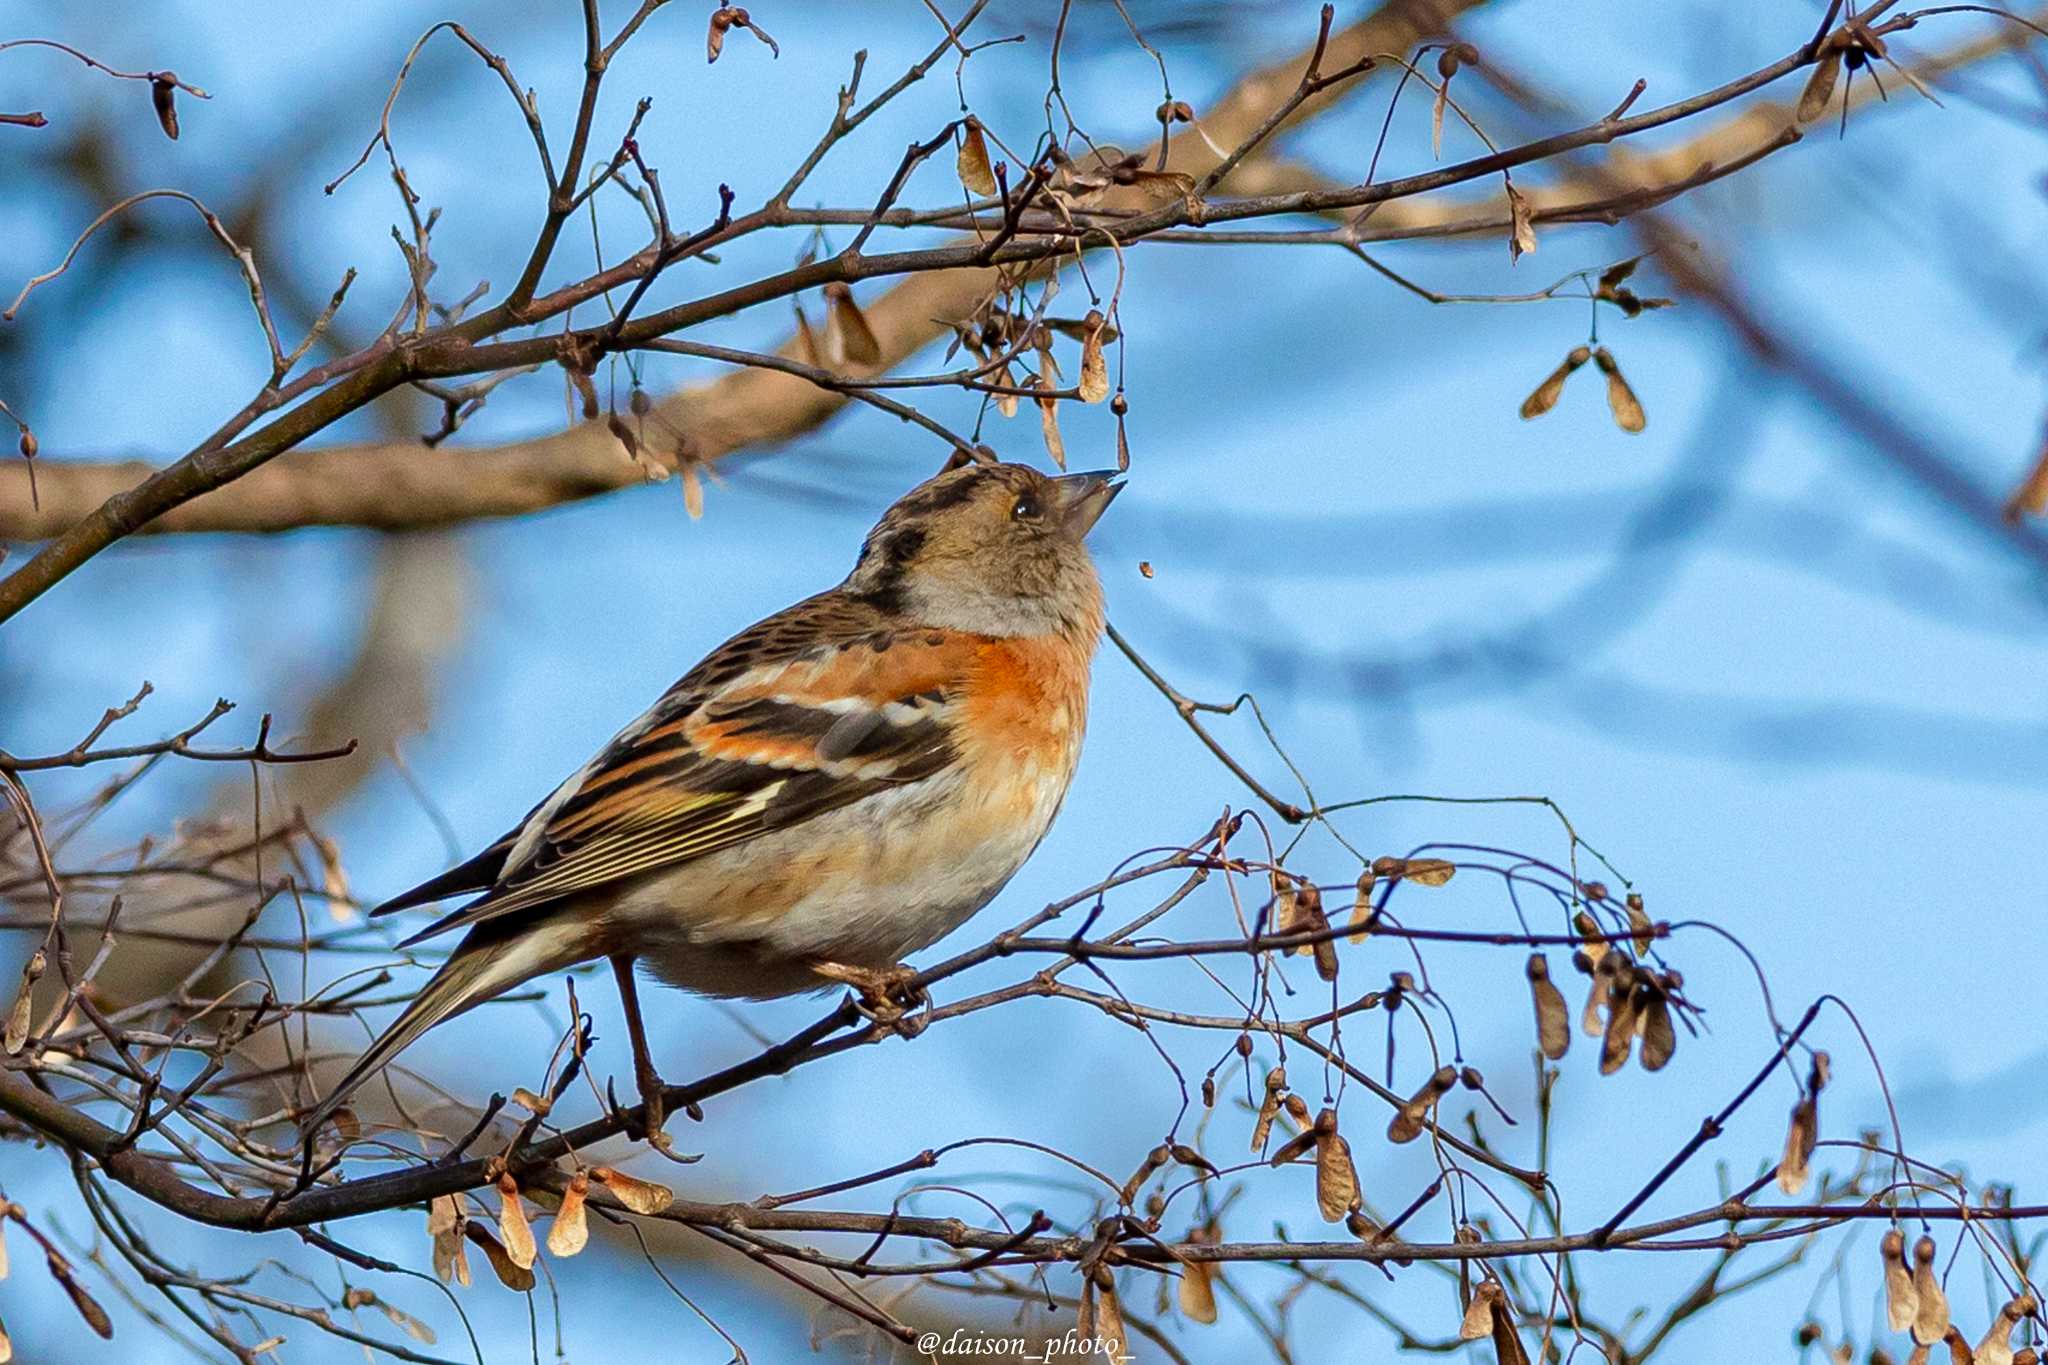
(883, 995)
(647, 1125)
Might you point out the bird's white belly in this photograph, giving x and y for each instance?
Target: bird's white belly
(862, 885)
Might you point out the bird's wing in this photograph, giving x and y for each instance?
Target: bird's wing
(810, 710)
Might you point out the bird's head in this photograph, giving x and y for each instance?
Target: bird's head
(996, 549)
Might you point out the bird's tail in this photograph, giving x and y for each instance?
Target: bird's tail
(484, 966)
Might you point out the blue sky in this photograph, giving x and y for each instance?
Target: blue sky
(1776, 685)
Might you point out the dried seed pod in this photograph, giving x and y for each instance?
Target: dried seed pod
(1619, 1036)
(641, 1196)
(1552, 388)
(1478, 1321)
(1049, 422)
(1639, 922)
(1592, 1018)
(1507, 1342)
(1930, 1317)
(1324, 950)
(1521, 224)
(1094, 382)
(1820, 86)
(1363, 915)
(975, 171)
(1596, 945)
(27, 445)
(1430, 871)
(512, 1224)
(1407, 1124)
(848, 338)
(1959, 1352)
(2026, 1355)
(1276, 1086)
(1296, 1109)
(1295, 1148)
(1553, 1026)
(21, 1015)
(1653, 1025)
(1995, 1348)
(1621, 399)
(1800, 1135)
(1336, 1177)
(1184, 1155)
(444, 1223)
(571, 1230)
(163, 95)
(1154, 1159)
(88, 1307)
(1901, 1304)
(510, 1273)
(1101, 1318)
(1297, 907)
(1198, 1278)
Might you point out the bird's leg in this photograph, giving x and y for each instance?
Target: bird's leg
(885, 992)
(644, 1074)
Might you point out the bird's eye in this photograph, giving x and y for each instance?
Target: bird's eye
(1026, 507)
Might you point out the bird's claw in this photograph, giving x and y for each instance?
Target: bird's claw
(647, 1125)
(885, 996)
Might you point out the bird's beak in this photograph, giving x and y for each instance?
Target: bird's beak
(1084, 497)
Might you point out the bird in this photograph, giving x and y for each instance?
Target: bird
(837, 786)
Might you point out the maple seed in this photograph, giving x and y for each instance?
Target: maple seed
(1930, 1319)
(1429, 871)
(444, 1222)
(163, 93)
(641, 1196)
(975, 171)
(1336, 1177)
(19, 1017)
(1154, 1159)
(1996, 1346)
(518, 1232)
(1478, 1321)
(1198, 1278)
(88, 1307)
(1407, 1124)
(571, 1231)
(1049, 422)
(509, 1272)
(1820, 86)
(1552, 388)
(1145, 568)
(1553, 1027)
(1639, 924)
(1094, 383)
(1363, 913)
(27, 445)
(1901, 1303)
(1621, 399)
(1521, 225)
(1269, 1108)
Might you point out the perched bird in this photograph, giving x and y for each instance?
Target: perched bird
(835, 787)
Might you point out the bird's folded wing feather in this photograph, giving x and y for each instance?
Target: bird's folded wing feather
(770, 730)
